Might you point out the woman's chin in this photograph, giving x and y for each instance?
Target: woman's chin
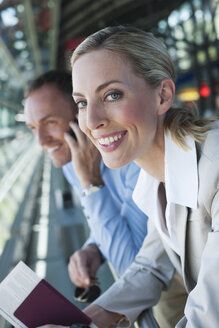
(114, 164)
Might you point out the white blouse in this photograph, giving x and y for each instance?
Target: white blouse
(181, 184)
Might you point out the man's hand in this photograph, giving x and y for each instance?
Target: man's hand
(101, 317)
(83, 265)
(85, 157)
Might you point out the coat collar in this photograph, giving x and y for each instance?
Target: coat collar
(181, 178)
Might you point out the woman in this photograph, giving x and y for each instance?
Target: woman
(123, 85)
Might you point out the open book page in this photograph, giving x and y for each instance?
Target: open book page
(14, 289)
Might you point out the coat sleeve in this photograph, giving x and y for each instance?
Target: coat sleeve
(203, 301)
(140, 286)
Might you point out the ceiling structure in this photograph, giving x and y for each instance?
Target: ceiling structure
(38, 35)
(79, 18)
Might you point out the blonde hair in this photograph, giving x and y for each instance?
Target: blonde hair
(150, 59)
(184, 121)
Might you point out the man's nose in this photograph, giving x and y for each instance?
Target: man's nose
(42, 136)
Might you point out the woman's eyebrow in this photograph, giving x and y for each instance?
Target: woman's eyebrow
(99, 88)
(104, 85)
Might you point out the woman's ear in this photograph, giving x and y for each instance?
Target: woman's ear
(166, 94)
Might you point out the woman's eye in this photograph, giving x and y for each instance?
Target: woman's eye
(81, 104)
(113, 96)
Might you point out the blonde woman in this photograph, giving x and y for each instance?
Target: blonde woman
(123, 85)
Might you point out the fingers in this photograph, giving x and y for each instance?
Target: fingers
(80, 136)
(71, 141)
(77, 139)
(85, 157)
(94, 257)
(83, 266)
(73, 135)
(94, 266)
(78, 269)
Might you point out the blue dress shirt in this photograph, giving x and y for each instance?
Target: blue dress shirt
(118, 227)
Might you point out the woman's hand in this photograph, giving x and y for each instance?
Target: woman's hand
(101, 317)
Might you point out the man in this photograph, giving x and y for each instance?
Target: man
(118, 227)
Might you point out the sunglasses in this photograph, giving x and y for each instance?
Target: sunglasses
(88, 294)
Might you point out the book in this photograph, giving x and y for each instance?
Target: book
(27, 301)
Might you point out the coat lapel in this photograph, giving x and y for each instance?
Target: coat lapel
(182, 214)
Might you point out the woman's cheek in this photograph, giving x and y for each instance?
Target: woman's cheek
(82, 121)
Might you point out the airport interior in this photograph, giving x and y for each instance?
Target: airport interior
(41, 220)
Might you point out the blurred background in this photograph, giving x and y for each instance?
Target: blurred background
(41, 221)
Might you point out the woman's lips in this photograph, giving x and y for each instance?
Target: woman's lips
(111, 142)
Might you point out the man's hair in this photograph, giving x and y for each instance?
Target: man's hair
(61, 79)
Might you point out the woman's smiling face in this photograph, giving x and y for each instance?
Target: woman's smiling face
(118, 110)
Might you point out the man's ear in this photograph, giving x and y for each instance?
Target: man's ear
(166, 94)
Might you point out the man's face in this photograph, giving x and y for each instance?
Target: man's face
(48, 113)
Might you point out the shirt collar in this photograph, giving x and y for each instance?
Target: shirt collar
(181, 178)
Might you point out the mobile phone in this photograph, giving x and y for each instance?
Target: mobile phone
(71, 132)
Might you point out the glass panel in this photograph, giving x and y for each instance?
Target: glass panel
(162, 25)
(197, 3)
(189, 29)
(201, 57)
(184, 64)
(26, 31)
(174, 18)
(216, 22)
(212, 50)
(178, 32)
(17, 162)
(185, 12)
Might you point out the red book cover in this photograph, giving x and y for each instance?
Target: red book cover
(45, 305)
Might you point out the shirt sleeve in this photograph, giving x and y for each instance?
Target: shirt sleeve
(74, 182)
(90, 240)
(119, 229)
(71, 177)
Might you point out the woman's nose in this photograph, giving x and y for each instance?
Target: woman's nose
(96, 116)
